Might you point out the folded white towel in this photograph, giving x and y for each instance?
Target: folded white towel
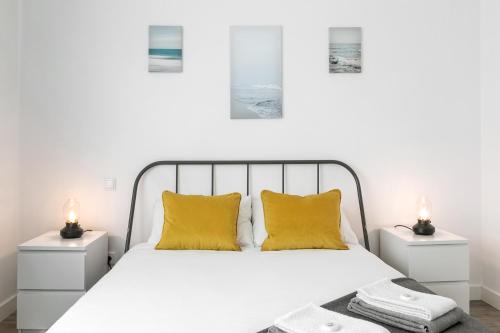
(314, 319)
(389, 296)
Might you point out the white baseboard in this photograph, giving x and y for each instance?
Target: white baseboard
(491, 297)
(475, 292)
(7, 307)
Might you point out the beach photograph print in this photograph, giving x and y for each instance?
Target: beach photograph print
(165, 49)
(345, 50)
(256, 72)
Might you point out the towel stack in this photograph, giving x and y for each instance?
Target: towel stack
(313, 319)
(388, 303)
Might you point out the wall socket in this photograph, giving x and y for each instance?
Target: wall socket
(109, 184)
(112, 258)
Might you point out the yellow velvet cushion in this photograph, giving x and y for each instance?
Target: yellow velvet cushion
(198, 222)
(302, 222)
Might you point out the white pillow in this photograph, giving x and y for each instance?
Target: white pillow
(348, 235)
(244, 228)
(260, 233)
(259, 226)
(157, 224)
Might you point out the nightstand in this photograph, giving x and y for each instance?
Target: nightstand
(53, 273)
(440, 262)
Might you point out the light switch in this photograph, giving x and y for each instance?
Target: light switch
(109, 184)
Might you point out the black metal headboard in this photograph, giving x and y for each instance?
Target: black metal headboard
(247, 164)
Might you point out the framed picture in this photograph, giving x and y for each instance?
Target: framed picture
(256, 72)
(345, 50)
(165, 48)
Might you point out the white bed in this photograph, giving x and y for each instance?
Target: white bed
(216, 291)
(210, 291)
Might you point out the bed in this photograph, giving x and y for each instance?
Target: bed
(219, 291)
(210, 291)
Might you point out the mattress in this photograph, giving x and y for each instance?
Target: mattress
(211, 291)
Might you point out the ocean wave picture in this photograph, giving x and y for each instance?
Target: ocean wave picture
(256, 72)
(345, 50)
(165, 49)
(256, 101)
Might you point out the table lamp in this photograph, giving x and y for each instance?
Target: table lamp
(71, 211)
(424, 211)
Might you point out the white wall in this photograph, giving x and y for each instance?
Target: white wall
(9, 112)
(409, 124)
(490, 99)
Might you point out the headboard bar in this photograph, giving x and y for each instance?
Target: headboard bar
(283, 178)
(317, 178)
(248, 163)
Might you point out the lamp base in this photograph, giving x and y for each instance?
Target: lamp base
(424, 228)
(71, 230)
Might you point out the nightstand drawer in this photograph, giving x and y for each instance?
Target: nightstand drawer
(439, 263)
(40, 309)
(51, 270)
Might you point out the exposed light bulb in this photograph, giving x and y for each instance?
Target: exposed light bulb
(424, 209)
(72, 216)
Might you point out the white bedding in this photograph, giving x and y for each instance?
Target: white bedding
(220, 292)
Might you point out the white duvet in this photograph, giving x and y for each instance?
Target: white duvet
(220, 292)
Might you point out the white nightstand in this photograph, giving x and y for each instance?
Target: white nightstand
(53, 273)
(440, 262)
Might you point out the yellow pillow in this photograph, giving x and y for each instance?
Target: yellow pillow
(297, 222)
(198, 222)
